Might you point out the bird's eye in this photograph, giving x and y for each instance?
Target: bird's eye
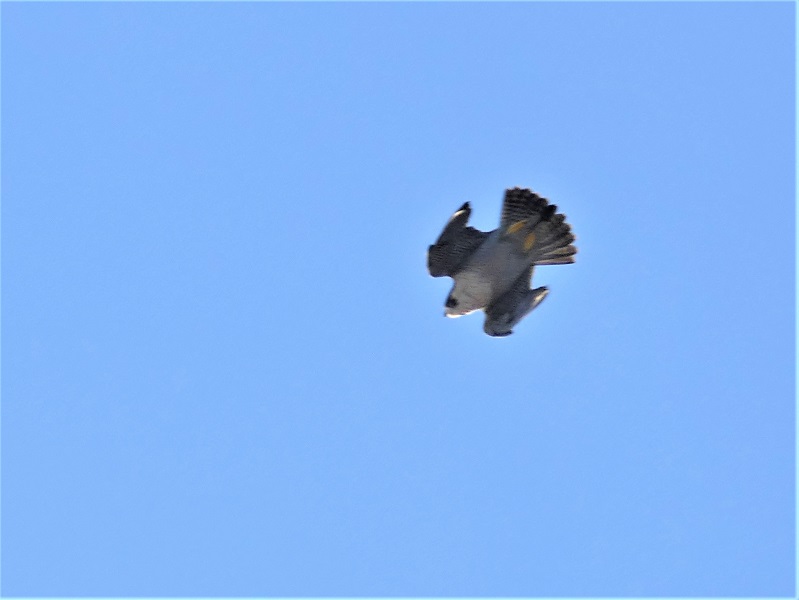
(451, 302)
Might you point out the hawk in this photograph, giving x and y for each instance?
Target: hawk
(492, 270)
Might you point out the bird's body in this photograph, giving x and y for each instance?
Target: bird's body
(488, 273)
(492, 270)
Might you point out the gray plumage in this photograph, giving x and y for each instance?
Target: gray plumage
(493, 270)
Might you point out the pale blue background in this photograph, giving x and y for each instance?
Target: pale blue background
(226, 370)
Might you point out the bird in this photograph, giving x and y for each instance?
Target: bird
(492, 271)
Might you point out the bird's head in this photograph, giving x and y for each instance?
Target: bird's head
(461, 302)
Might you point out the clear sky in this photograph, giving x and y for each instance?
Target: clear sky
(226, 370)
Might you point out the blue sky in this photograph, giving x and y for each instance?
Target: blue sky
(226, 369)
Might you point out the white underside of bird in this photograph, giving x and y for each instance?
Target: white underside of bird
(488, 274)
(473, 291)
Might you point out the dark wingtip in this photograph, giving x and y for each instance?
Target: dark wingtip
(500, 335)
(464, 207)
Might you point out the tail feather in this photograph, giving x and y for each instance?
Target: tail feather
(560, 250)
(564, 256)
(553, 236)
(543, 232)
(553, 241)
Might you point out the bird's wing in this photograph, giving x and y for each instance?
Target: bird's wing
(455, 245)
(545, 230)
(520, 205)
(515, 304)
(512, 297)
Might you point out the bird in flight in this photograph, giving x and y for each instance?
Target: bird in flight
(492, 270)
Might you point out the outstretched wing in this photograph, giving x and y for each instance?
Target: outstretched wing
(455, 244)
(511, 298)
(520, 205)
(528, 213)
(515, 304)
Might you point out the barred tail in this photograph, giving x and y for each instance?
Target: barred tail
(544, 232)
(553, 239)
